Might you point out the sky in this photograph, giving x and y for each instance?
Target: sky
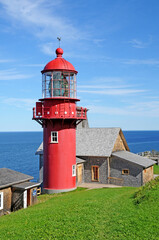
(114, 46)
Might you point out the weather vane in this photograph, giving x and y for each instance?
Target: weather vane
(59, 38)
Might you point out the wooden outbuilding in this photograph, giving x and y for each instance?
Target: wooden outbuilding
(16, 191)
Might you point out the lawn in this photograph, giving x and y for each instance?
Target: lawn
(156, 169)
(88, 214)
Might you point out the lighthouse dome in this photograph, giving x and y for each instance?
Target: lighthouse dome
(59, 63)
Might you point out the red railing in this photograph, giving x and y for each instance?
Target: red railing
(81, 113)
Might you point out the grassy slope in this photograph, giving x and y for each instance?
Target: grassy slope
(156, 169)
(93, 214)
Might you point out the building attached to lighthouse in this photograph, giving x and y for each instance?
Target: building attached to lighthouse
(59, 115)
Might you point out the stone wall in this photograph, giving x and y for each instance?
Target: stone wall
(148, 174)
(7, 197)
(103, 169)
(133, 179)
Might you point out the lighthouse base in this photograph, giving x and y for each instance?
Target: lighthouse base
(50, 191)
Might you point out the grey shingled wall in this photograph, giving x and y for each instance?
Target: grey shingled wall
(102, 163)
(134, 179)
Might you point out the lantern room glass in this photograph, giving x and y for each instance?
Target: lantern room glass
(59, 84)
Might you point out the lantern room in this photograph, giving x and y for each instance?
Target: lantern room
(59, 78)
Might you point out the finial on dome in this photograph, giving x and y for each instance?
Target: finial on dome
(59, 52)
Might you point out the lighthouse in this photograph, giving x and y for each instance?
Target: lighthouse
(59, 115)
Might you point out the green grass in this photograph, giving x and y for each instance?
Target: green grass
(148, 193)
(88, 214)
(156, 169)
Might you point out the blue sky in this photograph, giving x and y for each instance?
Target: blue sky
(114, 46)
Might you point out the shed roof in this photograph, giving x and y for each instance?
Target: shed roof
(96, 141)
(40, 149)
(9, 177)
(79, 160)
(134, 158)
(26, 185)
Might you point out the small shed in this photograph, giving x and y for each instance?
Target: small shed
(16, 191)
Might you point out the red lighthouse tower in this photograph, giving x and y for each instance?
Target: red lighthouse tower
(58, 114)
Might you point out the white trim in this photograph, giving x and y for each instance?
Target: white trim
(74, 170)
(55, 136)
(25, 199)
(1, 203)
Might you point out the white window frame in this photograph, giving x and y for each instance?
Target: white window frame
(1, 203)
(56, 133)
(74, 170)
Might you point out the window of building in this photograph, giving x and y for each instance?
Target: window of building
(1, 200)
(54, 137)
(125, 171)
(95, 173)
(73, 170)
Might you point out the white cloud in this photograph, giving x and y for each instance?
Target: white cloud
(12, 74)
(137, 43)
(33, 65)
(100, 86)
(27, 103)
(99, 42)
(6, 60)
(143, 109)
(108, 80)
(113, 91)
(110, 86)
(42, 17)
(142, 61)
(48, 48)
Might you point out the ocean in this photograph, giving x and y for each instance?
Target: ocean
(17, 149)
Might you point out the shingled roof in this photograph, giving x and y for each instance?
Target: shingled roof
(9, 177)
(134, 158)
(26, 185)
(93, 141)
(96, 141)
(40, 149)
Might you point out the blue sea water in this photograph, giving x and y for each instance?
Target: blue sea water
(17, 149)
(140, 141)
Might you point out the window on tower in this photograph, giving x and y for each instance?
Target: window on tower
(54, 137)
(73, 170)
